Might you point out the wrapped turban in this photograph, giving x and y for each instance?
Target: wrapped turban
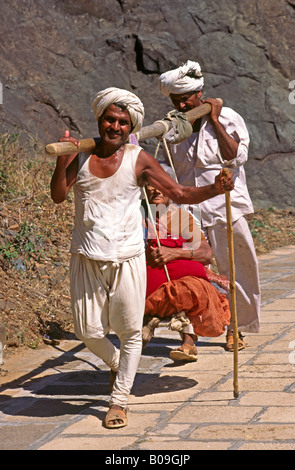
(186, 78)
(112, 95)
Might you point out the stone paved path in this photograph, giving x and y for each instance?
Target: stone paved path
(55, 398)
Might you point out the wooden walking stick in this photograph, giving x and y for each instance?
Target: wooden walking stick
(225, 172)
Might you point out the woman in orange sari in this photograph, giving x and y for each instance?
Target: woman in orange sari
(188, 291)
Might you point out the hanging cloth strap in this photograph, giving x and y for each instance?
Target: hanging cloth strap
(181, 128)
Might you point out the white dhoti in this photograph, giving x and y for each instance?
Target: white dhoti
(110, 296)
(246, 270)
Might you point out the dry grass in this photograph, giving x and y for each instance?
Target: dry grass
(34, 244)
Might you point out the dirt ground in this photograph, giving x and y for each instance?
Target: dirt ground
(34, 252)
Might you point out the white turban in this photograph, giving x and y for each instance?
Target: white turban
(113, 95)
(186, 78)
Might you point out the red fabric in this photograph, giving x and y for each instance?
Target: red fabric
(176, 269)
(207, 309)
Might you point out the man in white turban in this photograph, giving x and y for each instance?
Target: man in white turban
(218, 140)
(185, 79)
(116, 95)
(107, 270)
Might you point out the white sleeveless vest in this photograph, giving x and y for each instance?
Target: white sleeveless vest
(108, 220)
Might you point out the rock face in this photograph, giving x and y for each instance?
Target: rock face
(56, 55)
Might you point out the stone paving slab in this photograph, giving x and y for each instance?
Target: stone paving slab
(55, 398)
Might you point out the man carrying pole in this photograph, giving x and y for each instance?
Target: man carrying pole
(107, 270)
(218, 141)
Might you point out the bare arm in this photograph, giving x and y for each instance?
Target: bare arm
(148, 170)
(65, 173)
(162, 255)
(228, 146)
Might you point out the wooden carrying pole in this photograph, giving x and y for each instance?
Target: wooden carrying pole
(156, 129)
(232, 286)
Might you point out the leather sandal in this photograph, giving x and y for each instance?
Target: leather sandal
(184, 353)
(115, 415)
(230, 343)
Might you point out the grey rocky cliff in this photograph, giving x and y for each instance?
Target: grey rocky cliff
(56, 55)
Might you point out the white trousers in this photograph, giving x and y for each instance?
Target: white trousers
(109, 296)
(248, 295)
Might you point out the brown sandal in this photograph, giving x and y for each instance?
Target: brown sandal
(115, 415)
(230, 343)
(184, 353)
